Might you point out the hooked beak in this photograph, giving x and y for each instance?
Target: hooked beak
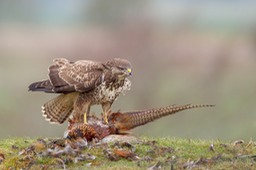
(129, 71)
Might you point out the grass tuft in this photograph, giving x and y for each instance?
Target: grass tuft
(22, 153)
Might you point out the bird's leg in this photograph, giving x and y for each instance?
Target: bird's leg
(86, 113)
(85, 118)
(106, 109)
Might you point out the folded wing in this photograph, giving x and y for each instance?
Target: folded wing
(66, 77)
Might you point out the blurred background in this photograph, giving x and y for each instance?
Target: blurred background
(182, 51)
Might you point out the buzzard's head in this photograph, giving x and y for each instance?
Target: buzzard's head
(120, 67)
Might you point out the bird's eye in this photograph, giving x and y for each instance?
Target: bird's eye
(121, 68)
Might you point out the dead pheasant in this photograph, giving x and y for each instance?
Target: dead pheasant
(121, 123)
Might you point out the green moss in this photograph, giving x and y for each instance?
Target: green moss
(168, 152)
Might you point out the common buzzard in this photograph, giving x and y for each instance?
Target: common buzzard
(82, 84)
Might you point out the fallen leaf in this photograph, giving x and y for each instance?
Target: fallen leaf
(125, 154)
(211, 148)
(238, 142)
(2, 158)
(157, 166)
(82, 157)
(189, 164)
(111, 156)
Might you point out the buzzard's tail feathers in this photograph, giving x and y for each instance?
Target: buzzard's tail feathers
(44, 85)
(58, 109)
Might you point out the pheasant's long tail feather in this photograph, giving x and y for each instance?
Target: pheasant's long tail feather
(130, 120)
(59, 109)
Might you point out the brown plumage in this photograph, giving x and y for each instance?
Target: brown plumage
(82, 83)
